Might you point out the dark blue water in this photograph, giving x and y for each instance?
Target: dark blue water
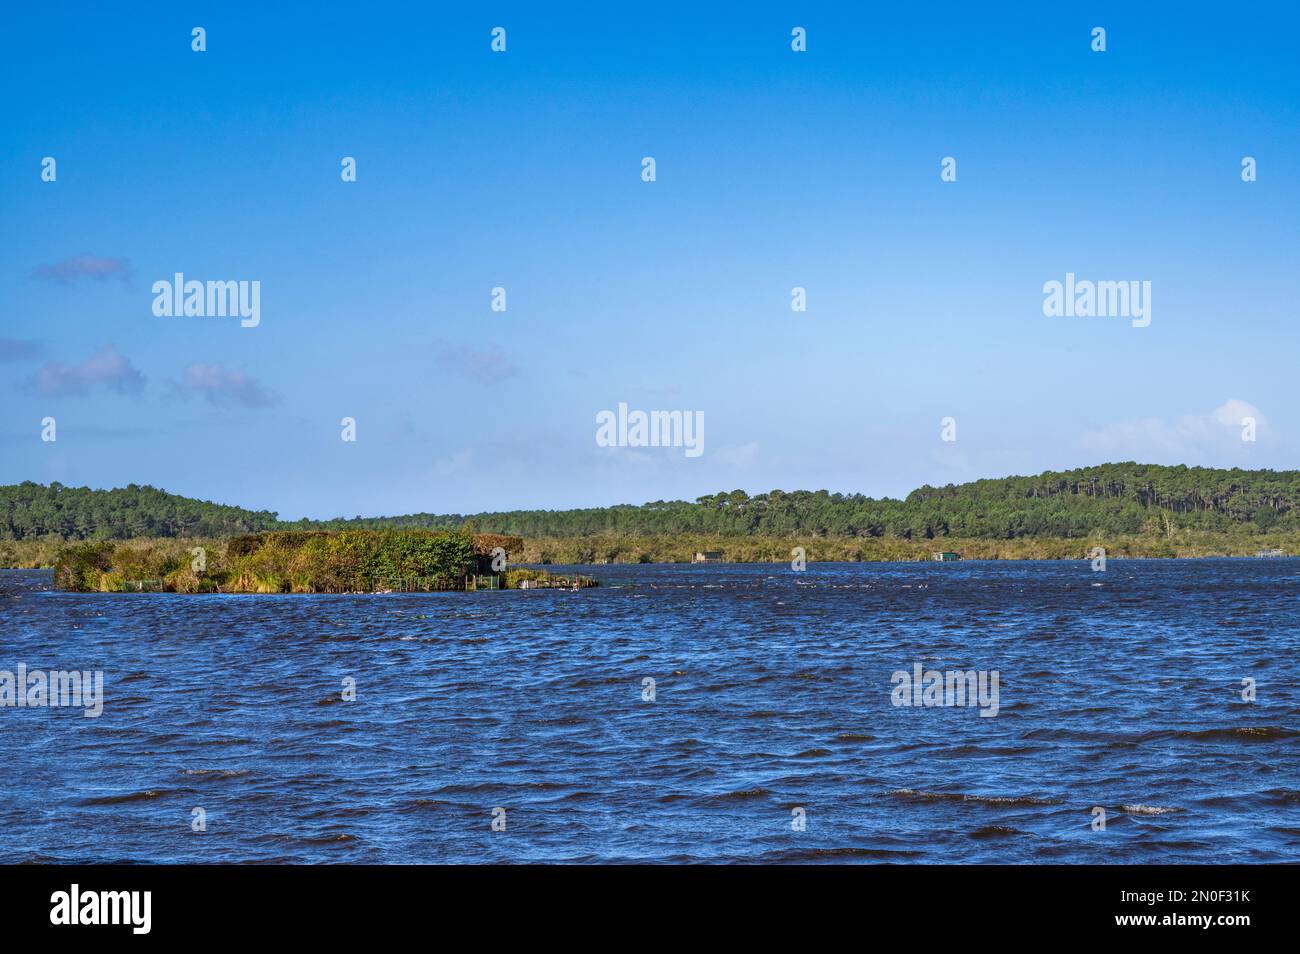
(1120, 690)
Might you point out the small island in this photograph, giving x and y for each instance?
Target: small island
(305, 561)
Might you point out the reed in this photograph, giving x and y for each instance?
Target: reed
(319, 561)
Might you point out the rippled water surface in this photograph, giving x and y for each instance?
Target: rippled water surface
(772, 692)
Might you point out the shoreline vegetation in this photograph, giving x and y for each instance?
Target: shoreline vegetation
(139, 534)
(319, 561)
(350, 565)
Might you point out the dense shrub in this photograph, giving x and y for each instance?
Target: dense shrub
(78, 567)
(278, 562)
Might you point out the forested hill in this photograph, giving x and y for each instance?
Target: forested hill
(29, 510)
(1112, 498)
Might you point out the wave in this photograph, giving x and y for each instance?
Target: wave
(823, 854)
(219, 773)
(1147, 810)
(1239, 732)
(1014, 801)
(1232, 733)
(739, 795)
(142, 796)
(996, 831)
(970, 750)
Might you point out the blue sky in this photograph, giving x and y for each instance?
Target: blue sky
(522, 169)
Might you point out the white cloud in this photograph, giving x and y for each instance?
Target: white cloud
(223, 386)
(1192, 439)
(107, 368)
(99, 268)
(486, 365)
(457, 463)
(737, 455)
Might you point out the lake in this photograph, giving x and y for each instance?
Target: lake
(519, 726)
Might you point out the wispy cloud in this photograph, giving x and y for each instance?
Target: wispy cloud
(18, 349)
(97, 267)
(738, 455)
(459, 462)
(488, 365)
(225, 387)
(106, 368)
(1193, 438)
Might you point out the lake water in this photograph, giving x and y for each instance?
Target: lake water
(772, 692)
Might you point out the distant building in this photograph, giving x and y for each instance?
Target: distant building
(708, 556)
(943, 556)
(1270, 553)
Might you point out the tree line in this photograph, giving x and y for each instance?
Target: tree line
(35, 511)
(1121, 498)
